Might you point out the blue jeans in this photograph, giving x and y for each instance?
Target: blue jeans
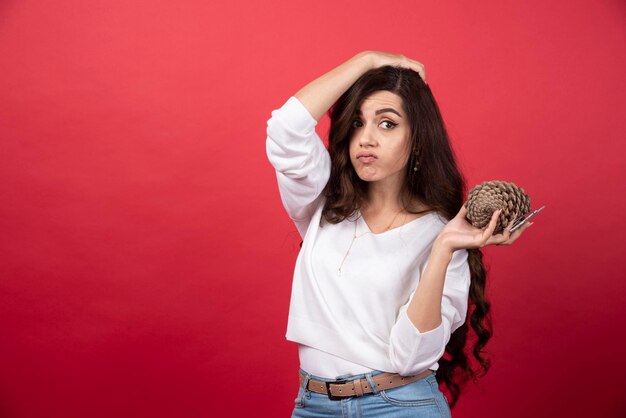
(421, 399)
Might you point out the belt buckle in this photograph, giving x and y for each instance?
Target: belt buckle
(336, 382)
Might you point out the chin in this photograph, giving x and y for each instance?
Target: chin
(368, 174)
(368, 178)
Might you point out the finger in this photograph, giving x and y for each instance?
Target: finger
(421, 72)
(496, 240)
(492, 225)
(462, 212)
(512, 221)
(513, 237)
(507, 231)
(521, 230)
(419, 67)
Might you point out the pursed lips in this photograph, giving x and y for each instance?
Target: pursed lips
(366, 157)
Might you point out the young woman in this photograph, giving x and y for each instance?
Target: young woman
(388, 263)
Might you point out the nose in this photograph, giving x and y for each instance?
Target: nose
(365, 137)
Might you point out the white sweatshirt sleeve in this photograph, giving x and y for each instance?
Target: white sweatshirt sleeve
(411, 351)
(300, 158)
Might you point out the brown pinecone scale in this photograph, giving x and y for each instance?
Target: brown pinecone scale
(490, 196)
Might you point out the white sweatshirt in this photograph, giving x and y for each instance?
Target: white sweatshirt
(354, 320)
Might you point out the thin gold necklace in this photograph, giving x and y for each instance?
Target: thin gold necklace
(355, 237)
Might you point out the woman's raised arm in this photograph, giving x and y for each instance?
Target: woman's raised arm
(320, 94)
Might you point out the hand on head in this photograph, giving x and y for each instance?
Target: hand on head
(380, 59)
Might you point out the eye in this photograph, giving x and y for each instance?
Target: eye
(387, 124)
(356, 123)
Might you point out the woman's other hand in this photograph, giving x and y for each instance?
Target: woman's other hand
(459, 233)
(379, 59)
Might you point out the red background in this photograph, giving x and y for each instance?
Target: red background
(146, 260)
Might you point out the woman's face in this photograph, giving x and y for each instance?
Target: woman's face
(379, 146)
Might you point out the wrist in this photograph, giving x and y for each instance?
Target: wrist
(441, 249)
(367, 59)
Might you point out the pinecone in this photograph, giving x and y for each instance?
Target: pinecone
(490, 196)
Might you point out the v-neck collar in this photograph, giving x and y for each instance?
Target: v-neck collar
(366, 229)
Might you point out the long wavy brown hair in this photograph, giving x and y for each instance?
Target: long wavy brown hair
(438, 184)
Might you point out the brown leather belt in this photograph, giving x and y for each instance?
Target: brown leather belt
(339, 389)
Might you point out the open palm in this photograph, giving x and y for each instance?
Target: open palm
(459, 233)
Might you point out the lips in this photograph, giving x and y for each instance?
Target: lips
(366, 157)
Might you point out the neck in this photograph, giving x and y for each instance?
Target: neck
(383, 196)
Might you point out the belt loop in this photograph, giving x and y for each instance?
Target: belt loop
(370, 381)
(307, 377)
(358, 387)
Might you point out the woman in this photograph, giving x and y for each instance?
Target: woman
(388, 260)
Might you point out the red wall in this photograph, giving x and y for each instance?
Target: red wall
(145, 258)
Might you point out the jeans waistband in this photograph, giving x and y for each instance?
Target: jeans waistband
(347, 377)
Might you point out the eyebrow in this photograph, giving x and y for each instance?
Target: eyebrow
(379, 111)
